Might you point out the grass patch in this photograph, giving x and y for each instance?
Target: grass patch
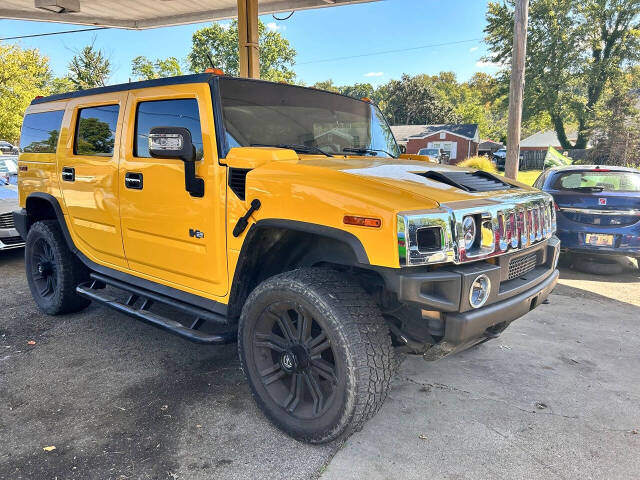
(527, 176)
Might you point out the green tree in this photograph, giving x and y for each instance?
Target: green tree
(24, 74)
(327, 85)
(61, 85)
(359, 90)
(220, 43)
(94, 136)
(144, 69)
(574, 50)
(89, 68)
(413, 100)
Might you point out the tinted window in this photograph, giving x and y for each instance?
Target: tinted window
(96, 131)
(263, 113)
(594, 180)
(40, 132)
(167, 113)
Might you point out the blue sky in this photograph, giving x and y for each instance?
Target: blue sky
(321, 37)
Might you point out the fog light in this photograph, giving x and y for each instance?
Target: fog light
(479, 292)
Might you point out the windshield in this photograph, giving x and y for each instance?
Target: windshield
(263, 113)
(598, 181)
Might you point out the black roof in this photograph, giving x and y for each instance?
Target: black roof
(159, 82)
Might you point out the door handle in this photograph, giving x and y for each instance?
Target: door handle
(68, 174)
(133, 180)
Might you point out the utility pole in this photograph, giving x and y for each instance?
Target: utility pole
(516, 89)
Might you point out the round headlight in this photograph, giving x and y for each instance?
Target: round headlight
(479, 292)
(468, 232)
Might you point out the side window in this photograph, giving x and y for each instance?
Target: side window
(167, 113)
(40, 132)
(96, 131)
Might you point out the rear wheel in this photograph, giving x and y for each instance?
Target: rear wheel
(316, 352)
(53, 271)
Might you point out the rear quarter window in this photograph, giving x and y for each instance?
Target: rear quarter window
(40, 132)
(608, 181)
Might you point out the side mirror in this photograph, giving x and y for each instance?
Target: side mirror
(175, 142)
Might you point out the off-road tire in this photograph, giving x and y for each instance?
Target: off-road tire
(598, 266)
(358, 334)
(68, 270)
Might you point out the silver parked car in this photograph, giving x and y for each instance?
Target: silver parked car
(9, 237)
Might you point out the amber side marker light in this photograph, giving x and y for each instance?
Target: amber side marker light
(362, 221)
(215, 71)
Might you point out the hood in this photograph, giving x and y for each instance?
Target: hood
(438, 183)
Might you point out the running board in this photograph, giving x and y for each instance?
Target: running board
(145, 299)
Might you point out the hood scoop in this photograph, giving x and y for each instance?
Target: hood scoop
(477, 181)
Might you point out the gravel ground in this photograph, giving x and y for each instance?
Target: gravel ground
(557, 395)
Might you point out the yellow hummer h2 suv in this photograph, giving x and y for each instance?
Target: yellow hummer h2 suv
(283, 218)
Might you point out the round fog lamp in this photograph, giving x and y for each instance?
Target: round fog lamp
(468, 232)
(479, 292)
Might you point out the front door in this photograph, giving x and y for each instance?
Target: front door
(88, 169)
(170, 236)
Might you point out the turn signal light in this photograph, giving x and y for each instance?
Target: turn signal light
(215, 71)
(366, 99)
(362, 221)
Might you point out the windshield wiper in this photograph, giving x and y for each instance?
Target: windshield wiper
(362, 150)
(295, 147)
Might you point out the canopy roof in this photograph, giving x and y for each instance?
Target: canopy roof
(140, 14)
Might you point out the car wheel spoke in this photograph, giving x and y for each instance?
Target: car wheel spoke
(271, 341)
(272, 373)
(316, 392)
(318, 349)
(304, 326)
(295, 393)
(324, 369)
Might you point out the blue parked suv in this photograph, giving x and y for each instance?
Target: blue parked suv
(597, 210)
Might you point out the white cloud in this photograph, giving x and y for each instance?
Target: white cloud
(273, 26)
(483, 64)
(225, 26)
(473, 49)
(374, 74)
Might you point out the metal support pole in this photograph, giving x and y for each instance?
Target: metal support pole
(248, 38)
(516, 89)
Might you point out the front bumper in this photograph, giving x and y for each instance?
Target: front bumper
(442, 297)
(10, 238)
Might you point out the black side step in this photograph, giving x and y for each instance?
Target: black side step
(145, 299)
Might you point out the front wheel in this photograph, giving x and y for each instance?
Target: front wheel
(316, 352)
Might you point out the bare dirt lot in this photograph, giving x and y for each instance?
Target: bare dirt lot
(556, 396)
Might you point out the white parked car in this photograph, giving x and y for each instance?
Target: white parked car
(9, 237)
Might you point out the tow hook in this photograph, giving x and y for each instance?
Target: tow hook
(243, 221)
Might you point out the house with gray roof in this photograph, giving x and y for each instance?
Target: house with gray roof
(459, 140)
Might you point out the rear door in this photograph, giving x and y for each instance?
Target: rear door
(88, 170)
(170, 236)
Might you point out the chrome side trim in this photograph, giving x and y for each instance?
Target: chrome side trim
(591, 211)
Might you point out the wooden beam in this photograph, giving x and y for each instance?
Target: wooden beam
(248, 38)
(516, 88)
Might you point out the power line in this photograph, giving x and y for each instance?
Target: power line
(385, 52)
(54, 33)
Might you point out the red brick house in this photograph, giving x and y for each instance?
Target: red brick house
(459, 140)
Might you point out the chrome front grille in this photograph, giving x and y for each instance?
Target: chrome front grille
(507, 223)
(521, 265)
(6, 220)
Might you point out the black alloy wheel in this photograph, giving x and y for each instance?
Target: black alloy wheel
(316, 352)
(295, 360)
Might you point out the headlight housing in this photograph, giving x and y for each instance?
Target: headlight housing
(468, 232)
